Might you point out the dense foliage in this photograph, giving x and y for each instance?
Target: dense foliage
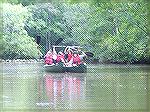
(16, 42)
(114, 31)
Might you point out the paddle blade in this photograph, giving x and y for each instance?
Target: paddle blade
(38, 40)
(89, 54)
(58, 41)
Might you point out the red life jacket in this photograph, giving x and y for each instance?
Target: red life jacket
(59, 57)
(69, 57)
(48, 59)
(76, 60)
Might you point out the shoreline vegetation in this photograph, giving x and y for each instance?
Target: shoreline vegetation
(22, 61)
(93, 61)
(115, 32)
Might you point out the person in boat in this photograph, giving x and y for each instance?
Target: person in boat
(68, 54)
(60, 57)
(75, 60)
(51, 57)
(54, 57)
(81, 54)
(48, 58)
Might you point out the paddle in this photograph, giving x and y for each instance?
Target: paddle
(58, 41)
(38, 40)
(89, 54)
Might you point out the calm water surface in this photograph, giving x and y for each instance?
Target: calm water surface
(104, 88)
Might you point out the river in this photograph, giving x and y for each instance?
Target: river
(26, 87)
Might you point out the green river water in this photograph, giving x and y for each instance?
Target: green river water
(26, 87)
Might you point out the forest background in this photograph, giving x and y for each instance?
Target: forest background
(116, 31)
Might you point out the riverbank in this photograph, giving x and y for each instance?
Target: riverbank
(98, 61)
(22, 61)
(88, 61)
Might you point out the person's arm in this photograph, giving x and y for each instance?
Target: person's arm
(65, 51)
(54, 54)
(54, 51)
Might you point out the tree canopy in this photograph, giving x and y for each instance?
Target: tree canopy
(115, 32)
(16, 42)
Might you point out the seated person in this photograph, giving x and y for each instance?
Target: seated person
(60, 57)
(75, 60)
(68, 54)
(48, 58)
(54, 57)
(81, 54)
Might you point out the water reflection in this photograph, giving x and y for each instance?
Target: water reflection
(63, 91)
(103, 88)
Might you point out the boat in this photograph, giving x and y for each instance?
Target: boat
(60, 68)
(82, 68)
(55, 68)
